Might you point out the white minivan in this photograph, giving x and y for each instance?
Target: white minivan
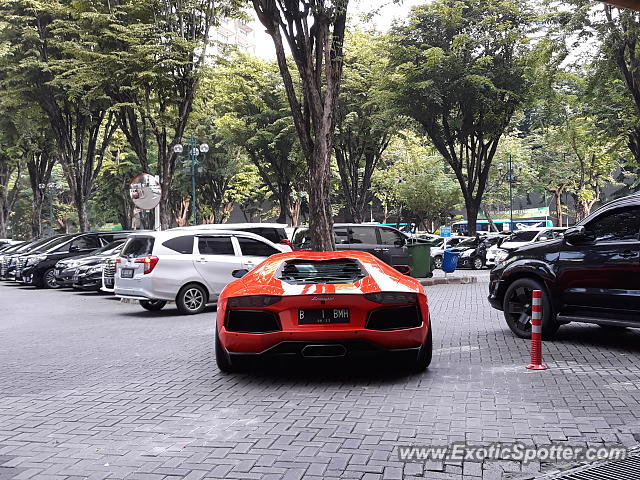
(190, 267)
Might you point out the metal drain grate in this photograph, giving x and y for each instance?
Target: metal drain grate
(629, 468)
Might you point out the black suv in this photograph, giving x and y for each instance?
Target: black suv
(8, 260)
(39, 269)
(386, 243)
(591, 275)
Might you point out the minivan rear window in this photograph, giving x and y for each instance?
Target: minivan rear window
(183, 244)
(138, 247)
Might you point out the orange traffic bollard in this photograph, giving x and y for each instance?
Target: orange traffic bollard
(536, 332)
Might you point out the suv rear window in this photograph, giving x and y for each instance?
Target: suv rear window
(182, 244)
(138, 247)
(322, 271)
(271, 234)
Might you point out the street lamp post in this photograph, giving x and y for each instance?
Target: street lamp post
(194, 151)
(510, 177)
(510, 193)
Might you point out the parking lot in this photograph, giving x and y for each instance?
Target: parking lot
(90, 387)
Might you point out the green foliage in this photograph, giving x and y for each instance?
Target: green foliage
(461, 75)
(414, 178)
(255, 116)
(365, 118)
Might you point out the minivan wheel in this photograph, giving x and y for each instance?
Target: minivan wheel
(517, 309)
(191, 299)
(437, 262)
(153, 305)
(477, 263)
(49, 279)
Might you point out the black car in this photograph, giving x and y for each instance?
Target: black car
(67, 270)
(591, 275)
(39, 269)
(386, 243)
(473, 251)
(9, 259)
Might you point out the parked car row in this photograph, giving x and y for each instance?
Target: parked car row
(190, 266)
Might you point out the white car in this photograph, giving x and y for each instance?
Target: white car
(274, 232)
(520, 238)
(438, 250)
(190, 267)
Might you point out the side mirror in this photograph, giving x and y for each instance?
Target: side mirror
(74, 248)
(400, 243)
(239, 273)
(576, 234)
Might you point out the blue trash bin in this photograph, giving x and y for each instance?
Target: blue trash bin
(450, 261)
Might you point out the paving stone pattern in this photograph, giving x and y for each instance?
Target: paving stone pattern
(91, 388)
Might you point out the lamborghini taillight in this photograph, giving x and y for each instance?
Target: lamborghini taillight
(252, 301)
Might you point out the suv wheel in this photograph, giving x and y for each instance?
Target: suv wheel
(476, 263)
(153, 305)
(517, 309)
(191, 299)
(49, 279)
(437, 262)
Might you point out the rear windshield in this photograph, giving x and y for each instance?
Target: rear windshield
(138, 247)
(322, 271)
(523, 236)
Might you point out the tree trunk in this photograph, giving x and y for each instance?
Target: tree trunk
(36, 214)
(83, 218)
(492, 225)
(583, 207)
(8, 196)
(294, 212)
(320, 213)
(283, 205)
(557, 200)
(473, 207)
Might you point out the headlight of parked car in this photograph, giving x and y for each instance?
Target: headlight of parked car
(501, 256)
(35, 260)
(94, 269)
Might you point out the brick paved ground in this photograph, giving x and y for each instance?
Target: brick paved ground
(93, 388)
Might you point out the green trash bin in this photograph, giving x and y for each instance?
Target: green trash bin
(420, 259)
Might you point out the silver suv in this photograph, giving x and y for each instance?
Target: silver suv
(188, 267)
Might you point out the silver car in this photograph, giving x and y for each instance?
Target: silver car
(188, 267)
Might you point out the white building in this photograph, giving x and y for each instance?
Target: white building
(235, 32)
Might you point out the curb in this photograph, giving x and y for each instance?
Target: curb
(446, 281)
